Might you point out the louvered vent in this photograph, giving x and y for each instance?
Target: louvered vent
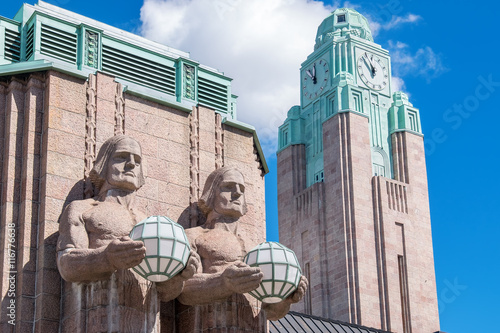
(58, 43)
(138, 70)
(30, 42)
(212, 94)
(12, 45)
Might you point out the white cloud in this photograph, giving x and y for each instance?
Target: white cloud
(259, 43)
(398, 84)
(394, 23)
(423, 63)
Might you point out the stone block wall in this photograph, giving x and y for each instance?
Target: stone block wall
(52, 126)
(365, 240)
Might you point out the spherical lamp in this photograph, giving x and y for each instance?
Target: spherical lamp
(167, 248)
(281, 271)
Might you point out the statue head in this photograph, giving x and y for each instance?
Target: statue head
(119, 164)
(224, 193)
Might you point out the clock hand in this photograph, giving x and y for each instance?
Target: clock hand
(308, 72)
(374, 69)
(314, 74)
(368, 64)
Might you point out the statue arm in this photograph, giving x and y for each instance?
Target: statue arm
(204, 288)
(77, 262)
(172, 288)
(277, 311)
(236, 278)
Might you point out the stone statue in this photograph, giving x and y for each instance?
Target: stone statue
(94, 247)
(218, 289)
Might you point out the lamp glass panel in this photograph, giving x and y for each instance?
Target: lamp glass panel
(173, 267)
(151, 246)
(157, 278)
(153, 264)
(149, 230)
(292, 274)
(252, 258)
(267, 269)
(179, 250)
(280, 271)
(289, 288)
(166, 247)
(277, 287)
(279, 255)
(259, 290)
(265, 255)
(177, 269)
(143, 266)
(163, 264)
(186, 256)
(291, 258)
(166, 230)
(268, 287)
(179, 234)
(137, 232)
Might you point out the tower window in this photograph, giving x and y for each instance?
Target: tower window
(340, 18)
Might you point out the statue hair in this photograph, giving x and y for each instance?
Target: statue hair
(99, 172)
(206, 203)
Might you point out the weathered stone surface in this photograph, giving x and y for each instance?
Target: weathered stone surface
(216, 295)
(45, 144)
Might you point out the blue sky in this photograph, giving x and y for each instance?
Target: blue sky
(445, 54)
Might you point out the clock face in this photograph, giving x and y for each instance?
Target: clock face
(315, 79)
(373, 71)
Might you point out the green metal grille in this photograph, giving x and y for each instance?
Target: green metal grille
(30, 42)
(12, 49)
(212, 94)
(58, 44)
(138, 69)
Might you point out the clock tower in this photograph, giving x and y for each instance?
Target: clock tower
(352, 186)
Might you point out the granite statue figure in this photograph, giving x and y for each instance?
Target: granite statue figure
(222, 281)
(94, 247)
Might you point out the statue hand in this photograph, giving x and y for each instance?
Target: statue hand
(192, 266)
(298, 294)
(241, 278)
(125, 253)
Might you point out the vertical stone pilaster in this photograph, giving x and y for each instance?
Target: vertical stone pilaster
(350, 238)
(379, 187)
(194, 188)
(119, 110)
(219, 142)
(30, 197)
(90, 135)
(11, 198)
(399, 157)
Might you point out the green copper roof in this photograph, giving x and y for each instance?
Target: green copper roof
(42, 37)
(78, 45)
(347, 72)
(341, 22)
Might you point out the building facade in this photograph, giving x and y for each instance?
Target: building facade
(352, 186)
(68, 83)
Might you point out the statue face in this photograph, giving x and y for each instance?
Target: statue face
(230, 199)
(124, 167)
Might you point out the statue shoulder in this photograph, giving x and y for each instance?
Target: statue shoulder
(77, 208)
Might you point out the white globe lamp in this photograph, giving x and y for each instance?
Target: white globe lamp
(281, 271)
(167, 248)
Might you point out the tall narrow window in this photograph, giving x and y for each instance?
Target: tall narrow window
(308, 298)
(403, 286)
